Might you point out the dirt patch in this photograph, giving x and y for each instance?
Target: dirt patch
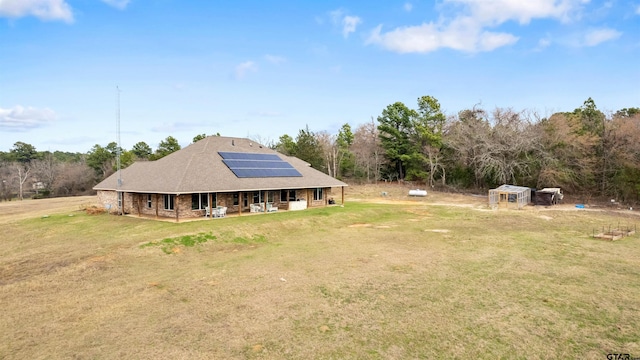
(395, 193)
(360, 225)
(398, 194)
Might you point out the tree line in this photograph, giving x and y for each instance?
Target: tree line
(24, 171)
(584, 151)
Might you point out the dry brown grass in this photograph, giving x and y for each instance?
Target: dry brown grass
(370, 280)
(94, 210)
(18, 210)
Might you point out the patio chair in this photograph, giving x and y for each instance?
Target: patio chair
(207, 212)
(271, 208)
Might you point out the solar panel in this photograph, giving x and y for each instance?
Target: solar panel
(257, 164)
(248, 156)
(255, 173)
(252, 165)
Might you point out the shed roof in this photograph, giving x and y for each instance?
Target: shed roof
(512, 189)
(198, 168)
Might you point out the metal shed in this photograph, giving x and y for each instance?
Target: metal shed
(509, 196)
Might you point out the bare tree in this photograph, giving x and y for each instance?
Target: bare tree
(569, 156)
(368, 151)
(74, 178)
(23, 170)
(620, 163)
(329, 148)
(499, 148)
(46, 170)
(467, 136)
(512, 147)
(6, 180)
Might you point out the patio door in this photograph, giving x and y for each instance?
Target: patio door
(251, 197)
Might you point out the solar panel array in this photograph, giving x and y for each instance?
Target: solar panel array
(252, 165)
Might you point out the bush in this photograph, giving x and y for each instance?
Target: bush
(94, 210)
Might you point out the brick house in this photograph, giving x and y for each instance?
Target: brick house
(217, 171)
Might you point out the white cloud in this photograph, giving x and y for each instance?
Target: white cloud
(42, 9)
(423, 38)
(499, 11)
(407, 7)
(336, 16)
(118, 4)
(462, 35)
(543, 43)
(598, 36)
(349, 24)
(489, 41)
(20, 119)
(468, 29)
(243, 68)
(274, 59)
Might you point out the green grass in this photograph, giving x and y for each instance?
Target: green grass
(367, 281)
(170, 245)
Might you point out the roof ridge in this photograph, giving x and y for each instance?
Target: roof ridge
(206, 144)
(184, 174)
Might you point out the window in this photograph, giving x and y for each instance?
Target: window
(317, 194)
(257, 198)
(235, 199)
(270, 196)
(287, 195)
(201, 201)
(119, 200)
(168, 201)
(149, 202)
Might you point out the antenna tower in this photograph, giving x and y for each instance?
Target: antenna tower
(118, 152)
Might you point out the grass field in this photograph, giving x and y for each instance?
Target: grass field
(381, 278)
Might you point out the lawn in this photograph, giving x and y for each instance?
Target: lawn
(371, 280)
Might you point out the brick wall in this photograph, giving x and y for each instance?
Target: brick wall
(138, 204)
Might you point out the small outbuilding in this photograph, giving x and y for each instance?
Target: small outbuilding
(509, 196)
(548, 196)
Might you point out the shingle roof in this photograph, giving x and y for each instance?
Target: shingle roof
(198, 168)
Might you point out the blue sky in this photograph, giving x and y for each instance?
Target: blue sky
(262, 69)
